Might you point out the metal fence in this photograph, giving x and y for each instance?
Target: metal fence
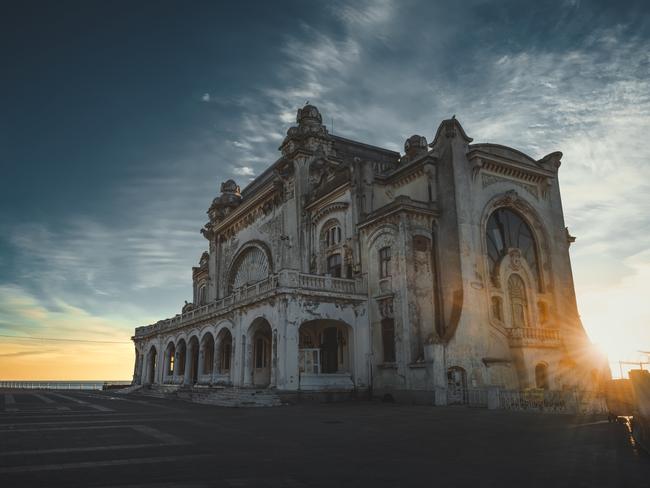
(62, 385)
(538, 401)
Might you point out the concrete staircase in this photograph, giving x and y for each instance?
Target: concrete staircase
(221, 396)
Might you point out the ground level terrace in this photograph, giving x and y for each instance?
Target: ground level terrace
(314, 354)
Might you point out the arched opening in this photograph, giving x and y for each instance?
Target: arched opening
(170, 358)
(151, 365)
(541, 376)
(207, 349)
(181, 356)
(252, 265)
(456, 385)
(193, 351)
(224, 351)
(324, 354)
(261, 337)
(506, 230)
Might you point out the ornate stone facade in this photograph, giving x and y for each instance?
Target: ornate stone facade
(345, 266)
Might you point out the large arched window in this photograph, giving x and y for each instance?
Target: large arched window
(506, 230)
(251, 266)
(331, 235)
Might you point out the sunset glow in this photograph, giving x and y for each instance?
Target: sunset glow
(113, 142)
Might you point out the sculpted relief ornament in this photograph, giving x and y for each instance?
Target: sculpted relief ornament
(515, 259)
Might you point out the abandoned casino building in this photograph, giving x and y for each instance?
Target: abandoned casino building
(345, 267)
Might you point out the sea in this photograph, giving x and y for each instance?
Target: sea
(62, 385)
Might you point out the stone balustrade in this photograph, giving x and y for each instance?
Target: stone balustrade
(533, 336)
(284, 279)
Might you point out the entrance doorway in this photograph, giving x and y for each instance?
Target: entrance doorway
(261, 360)
(456, 386)
(153, 356)
(330, 350)
(194, 360)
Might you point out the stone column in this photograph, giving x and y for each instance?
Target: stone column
(216, 360)
(161, 364)
(176, 365)
(187, 376)
(200, 366)
(274, 359)
(247, 361)
(141, 370)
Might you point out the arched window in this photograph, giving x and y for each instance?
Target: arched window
(518, 303)
(541, 376)
(251, 266)
(506, 230)
(331, 234)
(384, 262)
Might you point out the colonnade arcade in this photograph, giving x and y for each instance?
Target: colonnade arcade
(209, 357)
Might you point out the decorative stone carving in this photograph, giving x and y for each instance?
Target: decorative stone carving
(386, 307)
(515, 259)
(229, 199)
(489, 179)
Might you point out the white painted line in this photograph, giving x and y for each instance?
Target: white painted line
(163, 437)
(9, 427)
(49, 401)
(60, 450)
(81, 427)
(10, 400)
(164, 484)
(82, 402)
(98, 464)
(597, 422)
(72, 414)
(43, 398)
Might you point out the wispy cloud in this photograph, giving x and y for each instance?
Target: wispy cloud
(379, 71)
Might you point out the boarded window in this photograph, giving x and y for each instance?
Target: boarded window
(388, 339)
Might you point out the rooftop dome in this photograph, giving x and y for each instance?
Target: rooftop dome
(309, 115)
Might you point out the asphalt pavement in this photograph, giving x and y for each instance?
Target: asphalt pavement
(102, 439)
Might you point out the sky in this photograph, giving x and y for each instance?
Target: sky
(119, 121)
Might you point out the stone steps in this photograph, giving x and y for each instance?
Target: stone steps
(219, 396)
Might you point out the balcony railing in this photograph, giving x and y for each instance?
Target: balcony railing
(533, 336)
(283, 279)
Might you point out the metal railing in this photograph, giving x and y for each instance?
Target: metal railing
(533, 335)
(61, 385)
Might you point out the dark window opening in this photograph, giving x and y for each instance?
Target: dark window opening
(384, 262)
(334, 265)
(388, 339)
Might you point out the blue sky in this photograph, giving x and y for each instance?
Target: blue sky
(118, 121)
